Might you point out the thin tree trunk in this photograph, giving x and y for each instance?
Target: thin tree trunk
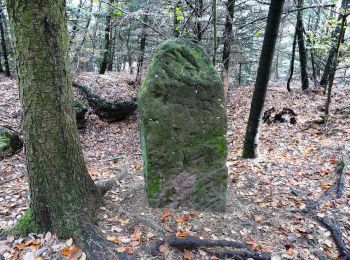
(177, 9)
(302, 48)
(334, 66)
(332, 52)
(107, 46)
(128, 47)
(80, 45)
(112, 55)
(3, 43)
(142, 51)
(230, 5)
(215, 42)
(292, 61)
(250, 149)
(199, 9)
(63, 196)
(75, 24)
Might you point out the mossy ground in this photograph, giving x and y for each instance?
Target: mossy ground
(24, 226)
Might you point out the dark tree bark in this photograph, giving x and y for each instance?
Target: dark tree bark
(215, 30)
(250, 149)
(107, 46)
(302, 48)
(85, 33)
(141, 51)
(198, 10)
(332, 53)
(75, 27)
(176, 20)
(292, 61)
(128, 47)
(199, 5)
(334, 65)
(3, 42)
(230, 5)
(63, 196)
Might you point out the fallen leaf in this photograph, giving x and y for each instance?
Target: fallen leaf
(69, 242)
(187, 255)
(120, 249)
(163, 249)
(165, 215)
(258, 218)
(182, 234)
(113, 239)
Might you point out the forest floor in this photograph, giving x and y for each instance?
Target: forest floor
(266, 196)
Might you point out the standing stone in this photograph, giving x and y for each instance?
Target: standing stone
(183, 129)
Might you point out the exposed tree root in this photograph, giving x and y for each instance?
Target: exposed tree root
(195, 243)
(332, 225)
(96, 247)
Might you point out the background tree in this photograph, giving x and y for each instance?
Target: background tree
(250, 149)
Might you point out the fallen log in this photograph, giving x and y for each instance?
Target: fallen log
(106, 110)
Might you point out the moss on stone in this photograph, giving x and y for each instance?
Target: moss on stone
(183, 126)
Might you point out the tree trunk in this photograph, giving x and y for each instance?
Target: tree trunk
(3, 42)
(177, 9)
(215, 30)
(142, 51)
(63, 196)
(292, 61)
(80, 45)
(128, 47)
(250, 149)
(302, 49)
(332, 52)
(334, 65)
(230, 5)
(199, 9)
(75, 28)
(107, 46)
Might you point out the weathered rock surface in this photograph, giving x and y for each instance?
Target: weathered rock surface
(107, 110)
(10, 142)
(183, 129)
